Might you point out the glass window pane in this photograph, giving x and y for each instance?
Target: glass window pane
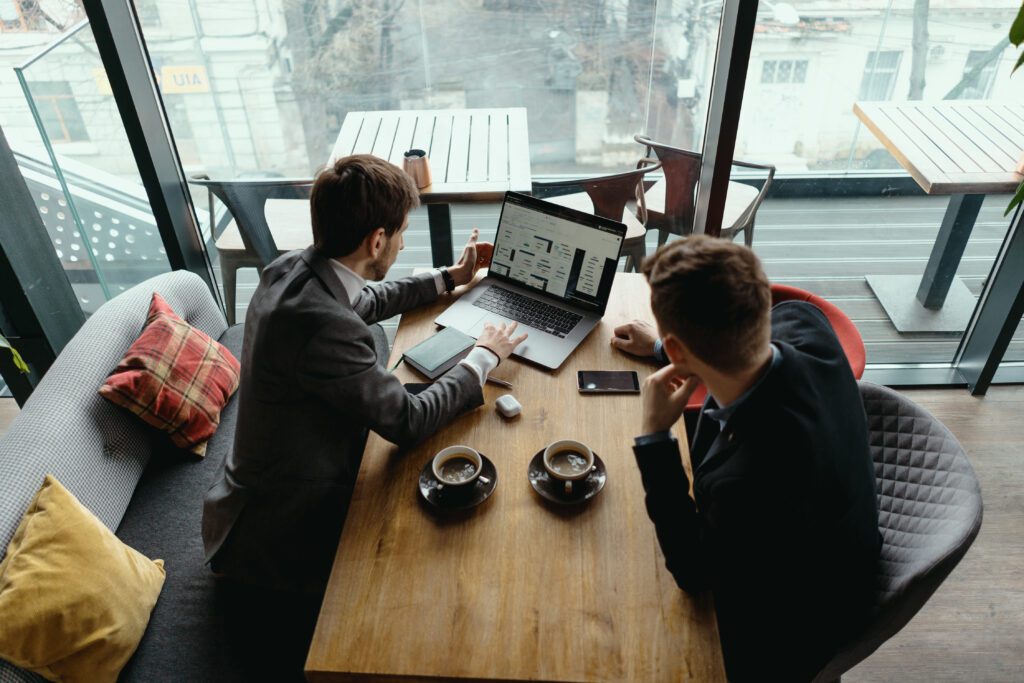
(768, 72)
(860, 222)
(785, 71)
(800, 71)
(272, 102)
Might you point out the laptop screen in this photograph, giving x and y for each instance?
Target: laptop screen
(565, 253)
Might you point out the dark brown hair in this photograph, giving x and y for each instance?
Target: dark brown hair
(714, 296)
(354, 197)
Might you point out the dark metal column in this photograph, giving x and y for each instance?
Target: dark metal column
(735, 36)
(129, 70)
(39, 312)
(957, 224)
(998, 313)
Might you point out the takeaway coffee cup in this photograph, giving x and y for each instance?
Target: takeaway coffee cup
(457, 468)
(417, 165)
(568, 461)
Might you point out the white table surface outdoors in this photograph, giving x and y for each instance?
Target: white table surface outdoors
(965, 149)
(476, 155)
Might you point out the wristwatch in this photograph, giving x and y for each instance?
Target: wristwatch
(449, 281)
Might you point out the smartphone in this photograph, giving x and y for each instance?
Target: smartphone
(416, 387)
(608, 382)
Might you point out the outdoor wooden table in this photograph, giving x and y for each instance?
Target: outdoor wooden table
(515, 589)
(476, 155)
(965, 149)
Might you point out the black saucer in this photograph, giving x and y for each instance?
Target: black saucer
(553, 489)
(457, 497)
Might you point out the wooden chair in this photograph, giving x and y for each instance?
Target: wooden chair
(608, 196)
(670, 202)
(271, 217)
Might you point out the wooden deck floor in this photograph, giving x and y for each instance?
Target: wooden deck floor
(972, 629)
(824, 245)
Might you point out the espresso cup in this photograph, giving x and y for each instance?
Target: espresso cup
(417, 165)
(568, 461)
(457, 468)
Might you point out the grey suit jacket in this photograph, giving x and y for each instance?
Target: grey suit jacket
(311, 386)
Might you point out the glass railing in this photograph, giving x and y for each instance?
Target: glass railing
(83, 178)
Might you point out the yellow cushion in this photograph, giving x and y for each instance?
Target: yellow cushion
(74, 600)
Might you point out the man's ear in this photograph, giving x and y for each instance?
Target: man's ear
(677, 352)
(375, 242)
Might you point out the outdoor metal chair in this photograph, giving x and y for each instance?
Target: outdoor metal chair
(608, 196)
(671, 202)
(271, 217)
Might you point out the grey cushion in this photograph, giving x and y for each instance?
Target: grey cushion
(96, 449)
(930, 512)
(185, 639)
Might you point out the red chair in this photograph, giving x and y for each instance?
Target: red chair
(849, 336)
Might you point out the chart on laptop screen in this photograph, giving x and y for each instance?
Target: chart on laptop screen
(554, 254)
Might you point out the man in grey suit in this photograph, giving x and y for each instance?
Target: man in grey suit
(313, 382)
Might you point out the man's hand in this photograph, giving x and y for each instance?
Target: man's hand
(498, 339)
(665, 394)
(464, 271)
(636, 337)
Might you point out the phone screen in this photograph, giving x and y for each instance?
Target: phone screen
(606, 381)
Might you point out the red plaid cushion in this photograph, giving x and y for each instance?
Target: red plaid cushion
(175, 378)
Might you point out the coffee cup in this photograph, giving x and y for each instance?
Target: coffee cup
(457, 468)
(417, 165)
(568, 461)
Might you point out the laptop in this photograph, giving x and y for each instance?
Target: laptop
(551, 272)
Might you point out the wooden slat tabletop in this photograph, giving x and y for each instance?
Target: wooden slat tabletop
(514, 589)
(962, 147)
(476, 155)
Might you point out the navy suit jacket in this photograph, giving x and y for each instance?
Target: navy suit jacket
(784, 530)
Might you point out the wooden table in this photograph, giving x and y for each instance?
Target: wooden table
(476, 155)
(965, 149)
(514, 589)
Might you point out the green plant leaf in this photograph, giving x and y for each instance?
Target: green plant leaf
(1017, 28)
(1017, 199)
(1020, 60)
(19, 362)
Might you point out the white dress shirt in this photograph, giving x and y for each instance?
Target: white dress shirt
(480, 360)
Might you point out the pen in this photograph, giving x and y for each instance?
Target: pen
(500, 382)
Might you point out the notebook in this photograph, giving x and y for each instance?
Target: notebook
(438, 354)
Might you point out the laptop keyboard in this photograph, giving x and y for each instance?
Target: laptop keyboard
(527, 310)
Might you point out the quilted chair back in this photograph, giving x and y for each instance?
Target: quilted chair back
(929, 513)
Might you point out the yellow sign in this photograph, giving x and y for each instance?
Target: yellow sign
(184, 79)
(101, 81)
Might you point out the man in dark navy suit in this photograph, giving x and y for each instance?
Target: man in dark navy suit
(783, 527)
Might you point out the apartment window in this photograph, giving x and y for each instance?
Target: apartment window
(880, 74)
(979, 87)
(59, 111)
(784, 71)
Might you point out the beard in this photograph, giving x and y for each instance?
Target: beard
(380, 266)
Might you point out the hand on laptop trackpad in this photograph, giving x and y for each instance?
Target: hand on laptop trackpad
(478, 327)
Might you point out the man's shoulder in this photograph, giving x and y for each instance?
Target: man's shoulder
(804, 328)
(292, 303)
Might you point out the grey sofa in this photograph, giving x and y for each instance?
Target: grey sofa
(130, 476)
